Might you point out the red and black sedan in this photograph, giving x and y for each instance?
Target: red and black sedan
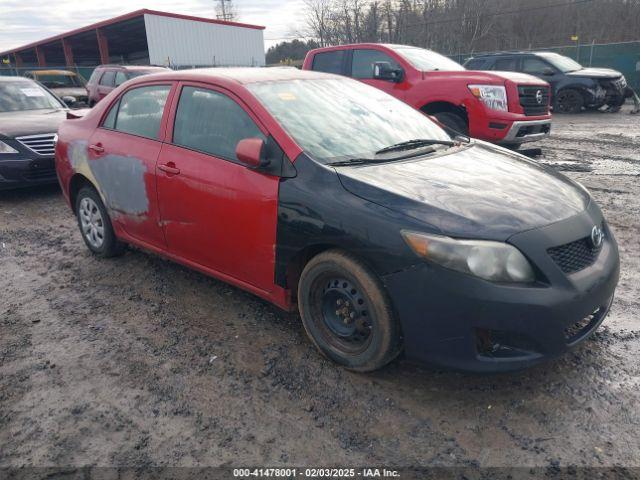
(322, 194)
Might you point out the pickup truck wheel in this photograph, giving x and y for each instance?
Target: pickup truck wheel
(347, 313)
(568, 100)
(453, 121)
(95, 224)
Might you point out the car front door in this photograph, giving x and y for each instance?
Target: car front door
(362, 62)
(122, 156)
(216, 212)
(541, 69)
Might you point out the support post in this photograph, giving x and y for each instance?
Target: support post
(18, 60)
(103, 46)
(42, 61)
(68, 52)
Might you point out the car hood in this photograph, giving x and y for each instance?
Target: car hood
(476, 191)
(491, 78)
(595, 73)
(74, 92)
(33, 122)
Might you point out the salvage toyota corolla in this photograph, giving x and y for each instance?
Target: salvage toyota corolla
(319, 193)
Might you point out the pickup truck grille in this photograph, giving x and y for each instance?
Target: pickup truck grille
(534, 99)
(41, 144)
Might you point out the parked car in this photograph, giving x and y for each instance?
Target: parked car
(505, 108)
(67, 85)
(105, 78)
(574, 87)
(29, 118)
(320, 193)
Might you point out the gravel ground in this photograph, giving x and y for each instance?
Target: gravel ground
(137, 361)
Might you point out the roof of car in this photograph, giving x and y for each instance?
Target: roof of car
(134, 67)
(242, 75)
(11, 78)
(53, 72)
(501, 54)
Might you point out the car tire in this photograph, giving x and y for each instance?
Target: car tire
(568, 100)
(453, 121)
(347, 313)
(95, 225)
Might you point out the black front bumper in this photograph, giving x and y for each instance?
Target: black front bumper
(26, 170)
(454, 320)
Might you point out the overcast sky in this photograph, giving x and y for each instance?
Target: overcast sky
(26, 21)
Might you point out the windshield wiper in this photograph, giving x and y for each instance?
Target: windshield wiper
(413, 144)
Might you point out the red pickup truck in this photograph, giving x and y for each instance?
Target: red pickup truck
(501, 107)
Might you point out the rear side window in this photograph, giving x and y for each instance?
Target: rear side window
(108, 78)
(506, 64)
(139, 111)
(211, 122)
(363, 60)
(329, 62)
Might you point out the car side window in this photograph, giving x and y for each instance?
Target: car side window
(110, 119)
(474, 64)
(120, 78)
(505, 65)
(534, 65)
(329, 62)
(211, 122)
(108, 78)
(140, 111)
(363, 60)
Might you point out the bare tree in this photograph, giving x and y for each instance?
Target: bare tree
(226, 10)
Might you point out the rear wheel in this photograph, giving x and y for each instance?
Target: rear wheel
(568, 100)
(454, 121)
(347, 313)
(95, 224)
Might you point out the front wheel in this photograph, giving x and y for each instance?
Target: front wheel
(347, 313)
(95, 224)
(568, 101)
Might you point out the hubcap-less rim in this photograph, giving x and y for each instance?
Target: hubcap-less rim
(568, 102)
(91, 222)
(345, 314)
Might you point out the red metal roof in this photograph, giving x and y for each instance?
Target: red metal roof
(128, 16)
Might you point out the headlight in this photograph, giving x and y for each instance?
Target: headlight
(495, 261)
(4, 148)
(493, 96)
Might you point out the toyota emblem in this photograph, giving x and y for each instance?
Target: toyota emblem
(539, 97)
(596, 236)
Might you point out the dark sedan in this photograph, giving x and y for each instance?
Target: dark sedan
(29, 119)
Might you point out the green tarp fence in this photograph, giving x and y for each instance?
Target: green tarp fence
(624, 57)
(84, 72)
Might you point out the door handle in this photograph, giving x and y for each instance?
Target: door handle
(97, 148)
(169, 168)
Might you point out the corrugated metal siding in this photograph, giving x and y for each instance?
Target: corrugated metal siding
(190, 43)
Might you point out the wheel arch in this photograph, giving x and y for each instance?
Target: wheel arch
(298, 261)
(443, 106)
(78, 181)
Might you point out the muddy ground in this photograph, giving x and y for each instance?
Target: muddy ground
(137, 361)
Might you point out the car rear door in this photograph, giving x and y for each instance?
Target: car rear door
(106, 83)
(217, 213)
(122, 157)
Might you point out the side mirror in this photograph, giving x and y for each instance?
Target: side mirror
(250, 152)
(69, 100)
(547, 72)
(384, 71)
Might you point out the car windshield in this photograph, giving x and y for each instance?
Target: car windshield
(59, 81)
(338, 119)
(25, 95)
(427, 60)
(564, 64)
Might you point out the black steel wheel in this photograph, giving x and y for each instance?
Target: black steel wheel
(347, 313)
(454, 122)
(568, 100)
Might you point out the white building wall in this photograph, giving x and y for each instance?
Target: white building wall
(184, 42)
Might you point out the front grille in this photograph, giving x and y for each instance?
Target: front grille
(574, 256)
(534, 100)
(41, 144)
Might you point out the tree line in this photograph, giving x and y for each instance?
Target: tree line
(467, 26)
